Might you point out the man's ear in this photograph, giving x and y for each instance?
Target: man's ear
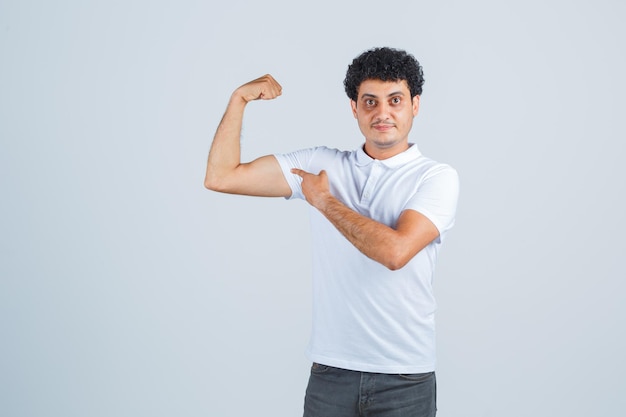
(416, 105)
(353, 107)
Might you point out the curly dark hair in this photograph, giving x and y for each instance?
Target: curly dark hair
(386, 64)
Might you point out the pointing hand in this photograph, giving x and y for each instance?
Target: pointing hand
(315, 188)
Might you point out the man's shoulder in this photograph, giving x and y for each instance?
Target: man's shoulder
(326, 150)
(320, 150)
(327, 154)
(429, 164)
(315, 158)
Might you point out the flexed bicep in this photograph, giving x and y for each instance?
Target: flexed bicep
(262, 177)
(225, 172)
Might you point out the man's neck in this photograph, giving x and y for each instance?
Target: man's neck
(385, 153)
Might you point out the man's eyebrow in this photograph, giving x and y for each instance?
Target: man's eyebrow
(370, 95)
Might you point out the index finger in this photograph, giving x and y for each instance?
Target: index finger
(298, 171)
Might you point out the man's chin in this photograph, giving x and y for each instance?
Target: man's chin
(380, 143)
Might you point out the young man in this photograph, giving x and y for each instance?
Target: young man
(379, 216)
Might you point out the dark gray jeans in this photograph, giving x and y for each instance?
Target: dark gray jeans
(335, 392)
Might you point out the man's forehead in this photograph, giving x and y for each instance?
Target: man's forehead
(377, 87)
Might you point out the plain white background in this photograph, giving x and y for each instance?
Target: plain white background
(128, 290)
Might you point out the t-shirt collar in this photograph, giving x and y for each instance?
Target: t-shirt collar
(400, 159)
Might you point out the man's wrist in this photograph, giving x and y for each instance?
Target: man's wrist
(328, 203)
(238, 99)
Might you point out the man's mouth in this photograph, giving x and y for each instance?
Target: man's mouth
(382, 126)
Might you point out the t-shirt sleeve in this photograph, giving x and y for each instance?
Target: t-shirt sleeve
(298, 159)
(437, 196)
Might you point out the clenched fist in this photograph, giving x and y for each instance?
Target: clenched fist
(263, 88)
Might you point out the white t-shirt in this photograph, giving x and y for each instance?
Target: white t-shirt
(365, 316)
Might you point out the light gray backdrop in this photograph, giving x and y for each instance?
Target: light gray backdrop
(128, 290)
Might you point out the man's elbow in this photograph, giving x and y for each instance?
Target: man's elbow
(395, 264)
(211, 182)
(396, 260)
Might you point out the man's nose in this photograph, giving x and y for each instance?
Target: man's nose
(382, 111)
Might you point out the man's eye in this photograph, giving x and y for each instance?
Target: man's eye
(395, 100)
(370, 102)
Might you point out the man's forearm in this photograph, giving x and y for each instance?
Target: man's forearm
(392, 247)
(375, 240)
(225, 153)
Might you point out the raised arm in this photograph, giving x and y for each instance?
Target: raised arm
(225, 172)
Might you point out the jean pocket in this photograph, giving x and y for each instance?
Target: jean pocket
(318, 368)
(417, 377)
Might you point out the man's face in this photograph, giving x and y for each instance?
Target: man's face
(385, 112)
